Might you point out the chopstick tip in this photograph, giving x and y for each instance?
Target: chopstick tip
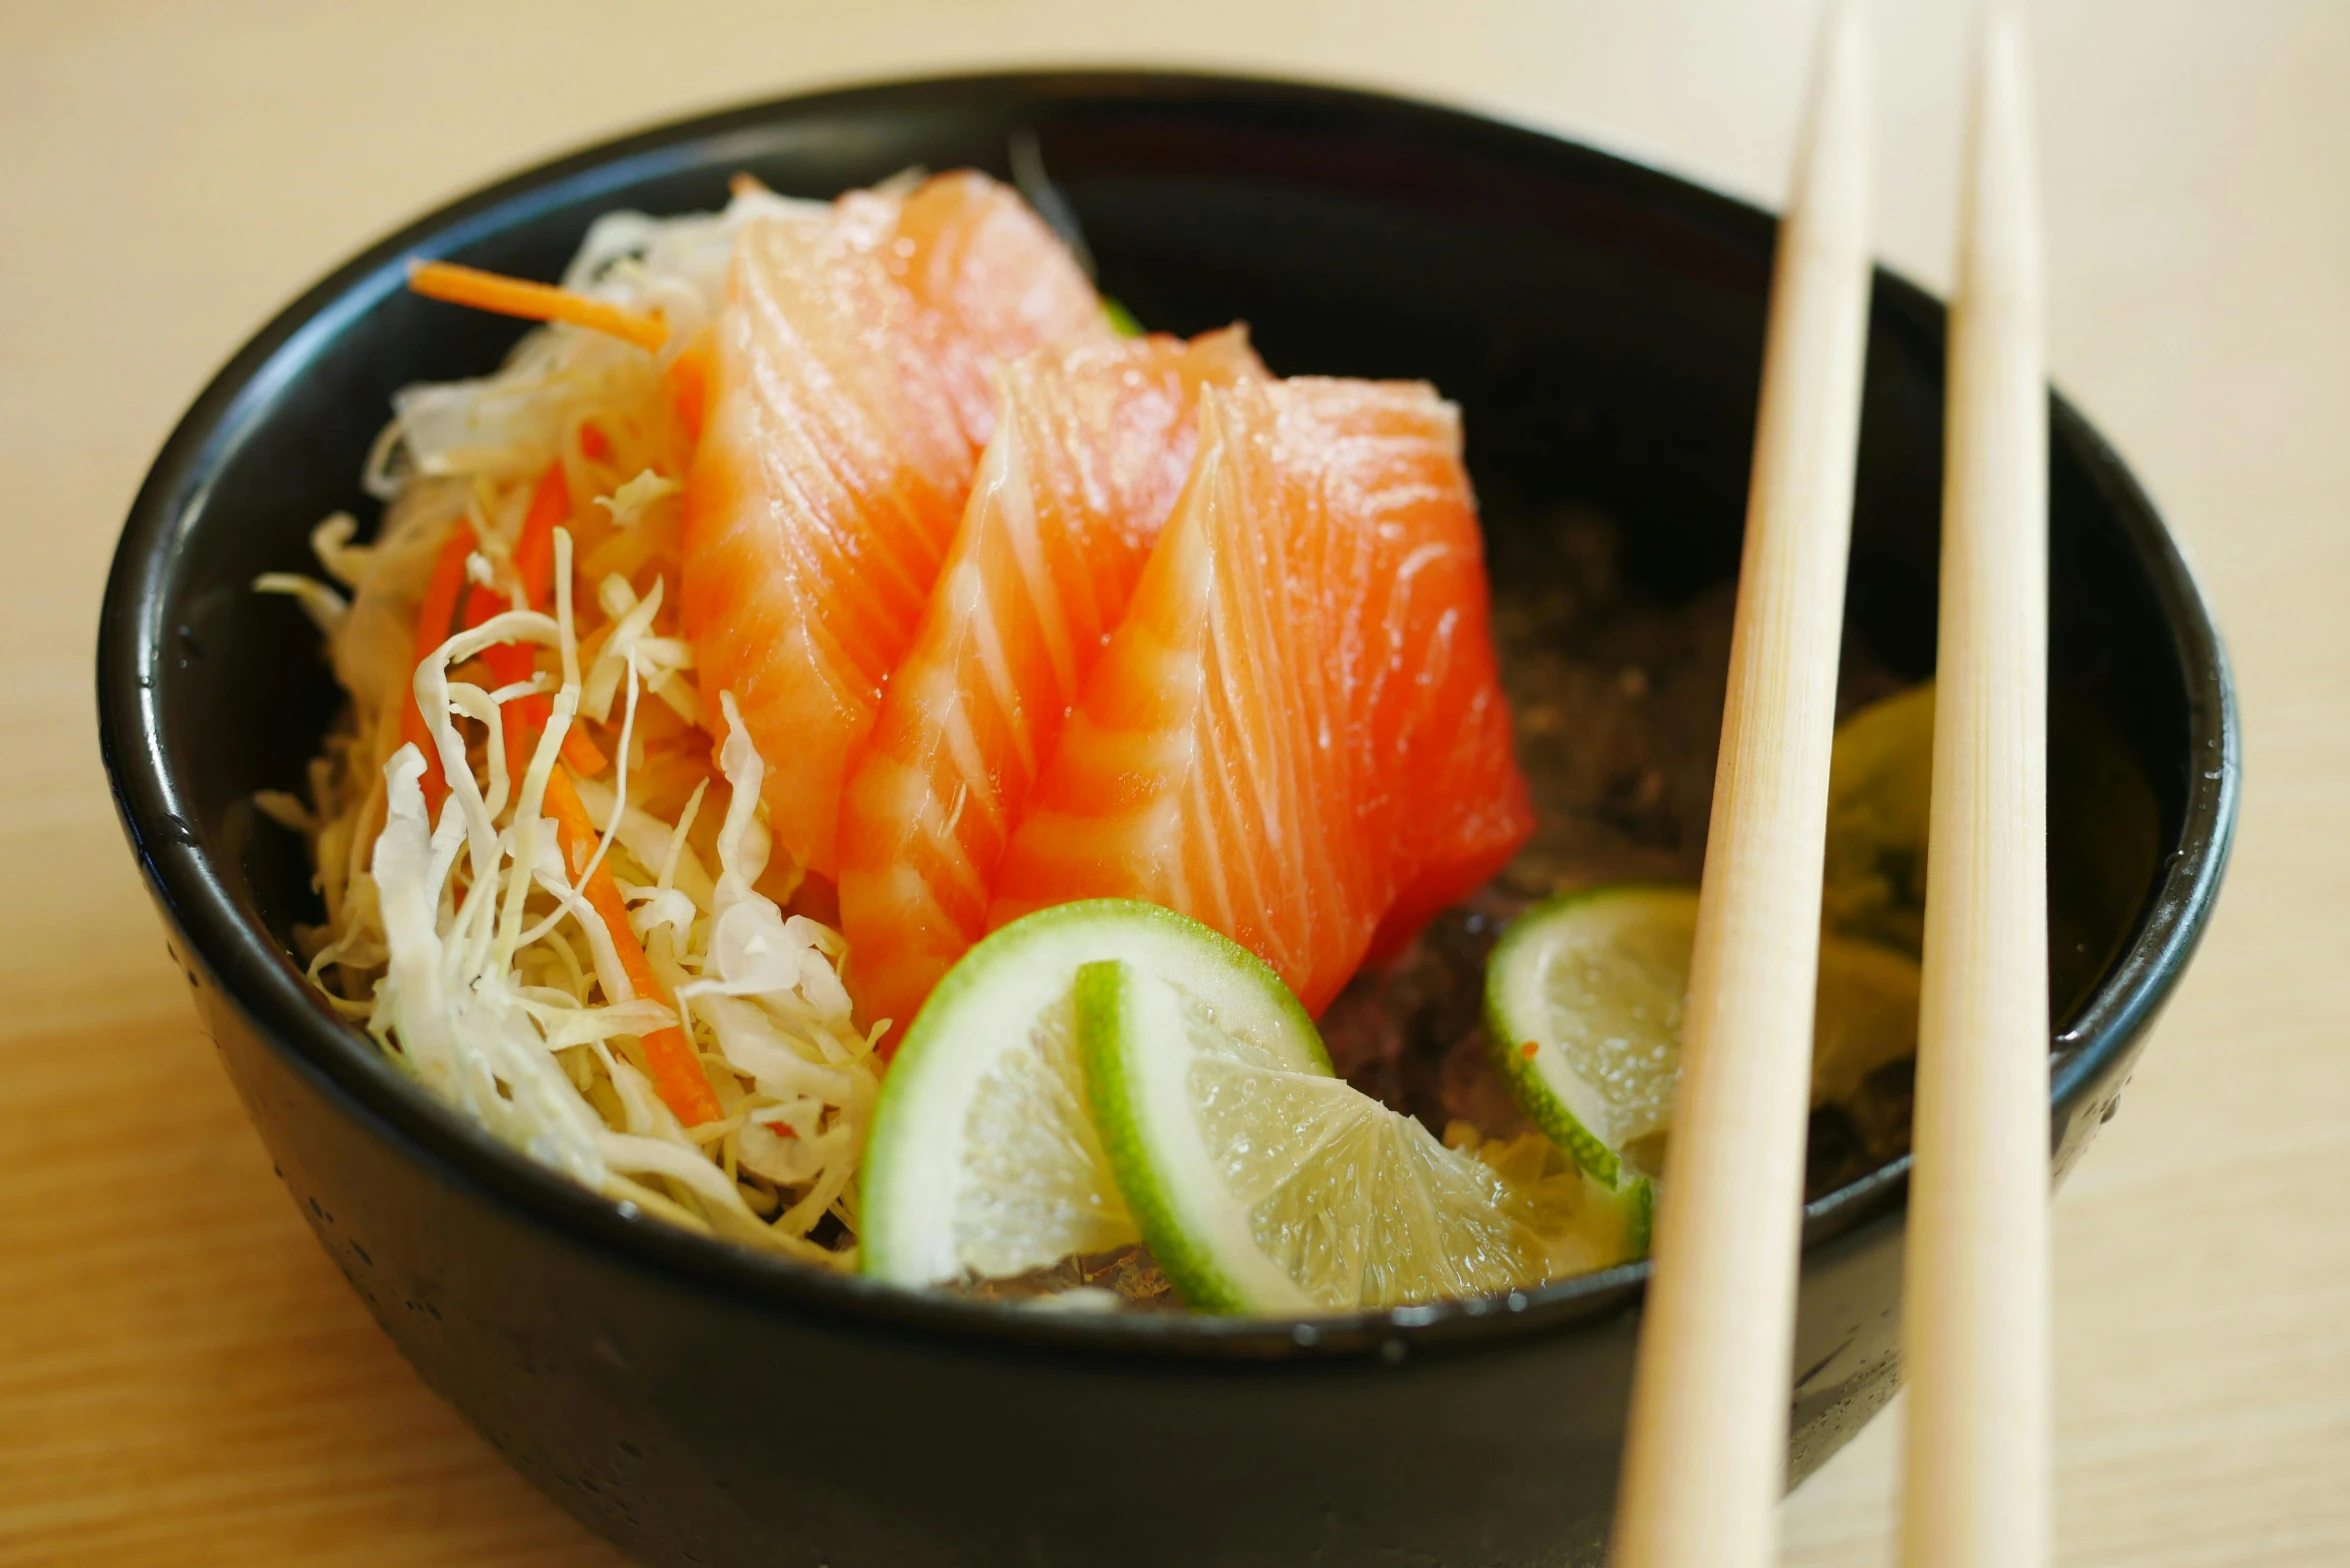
(2005, 38)
(1829, 191)
(1999, 206)
(1844, 31)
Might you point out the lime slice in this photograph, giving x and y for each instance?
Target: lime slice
(1880, 788)
(1865, 1015)
(1261, 1187)
(1583, 1015)
(2101, 833)
(982, 1159)
(1122, 320)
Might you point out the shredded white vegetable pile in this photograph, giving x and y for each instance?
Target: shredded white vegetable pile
(464, 945)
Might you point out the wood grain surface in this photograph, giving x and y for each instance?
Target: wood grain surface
(184, 1379)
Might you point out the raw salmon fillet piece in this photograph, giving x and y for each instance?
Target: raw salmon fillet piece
(1430, 699)
(985, 266)
(847, 403)
(1297, 734)
(1089, 454)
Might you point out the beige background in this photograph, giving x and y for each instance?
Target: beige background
(182, 1377)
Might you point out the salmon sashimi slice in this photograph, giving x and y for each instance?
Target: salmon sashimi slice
(838, 447)
(1089, 454)
(983, 263)
(1305, 655)
(1430, 701)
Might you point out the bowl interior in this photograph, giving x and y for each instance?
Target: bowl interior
(1600, 323)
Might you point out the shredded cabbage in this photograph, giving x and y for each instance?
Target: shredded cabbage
(463, 945)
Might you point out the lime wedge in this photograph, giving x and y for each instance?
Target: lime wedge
(1583, 1016)
(1263, 1187)
(982, 1159)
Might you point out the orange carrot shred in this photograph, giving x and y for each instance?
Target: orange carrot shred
(594, 445)
(677, 1071)
(534, 563)
(1530, 1049)
(504, 296)
(534, 549)
(510, 663)
(689, 378)
(434, 618)
(586, 758)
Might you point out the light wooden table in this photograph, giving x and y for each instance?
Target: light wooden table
(183, 1379)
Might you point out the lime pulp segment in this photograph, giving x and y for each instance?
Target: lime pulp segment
(983, 1159)
(1264, 1188)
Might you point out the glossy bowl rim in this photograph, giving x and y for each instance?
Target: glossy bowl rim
(256, 976)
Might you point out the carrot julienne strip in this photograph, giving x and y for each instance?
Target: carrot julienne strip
(534, 549)
(491, 291)
(510, 663)
(689, 390)
(583, 754)
(433, 623)
(677, 1071)
(534, 563)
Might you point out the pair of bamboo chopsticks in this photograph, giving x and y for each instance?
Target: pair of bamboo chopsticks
(1705, 1459)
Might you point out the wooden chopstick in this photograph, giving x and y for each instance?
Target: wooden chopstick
(1975, 1291)
(1705, 1457)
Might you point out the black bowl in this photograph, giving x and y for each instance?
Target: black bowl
(1601, 322)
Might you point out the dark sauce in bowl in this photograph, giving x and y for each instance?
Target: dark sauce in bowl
(1617, 696)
